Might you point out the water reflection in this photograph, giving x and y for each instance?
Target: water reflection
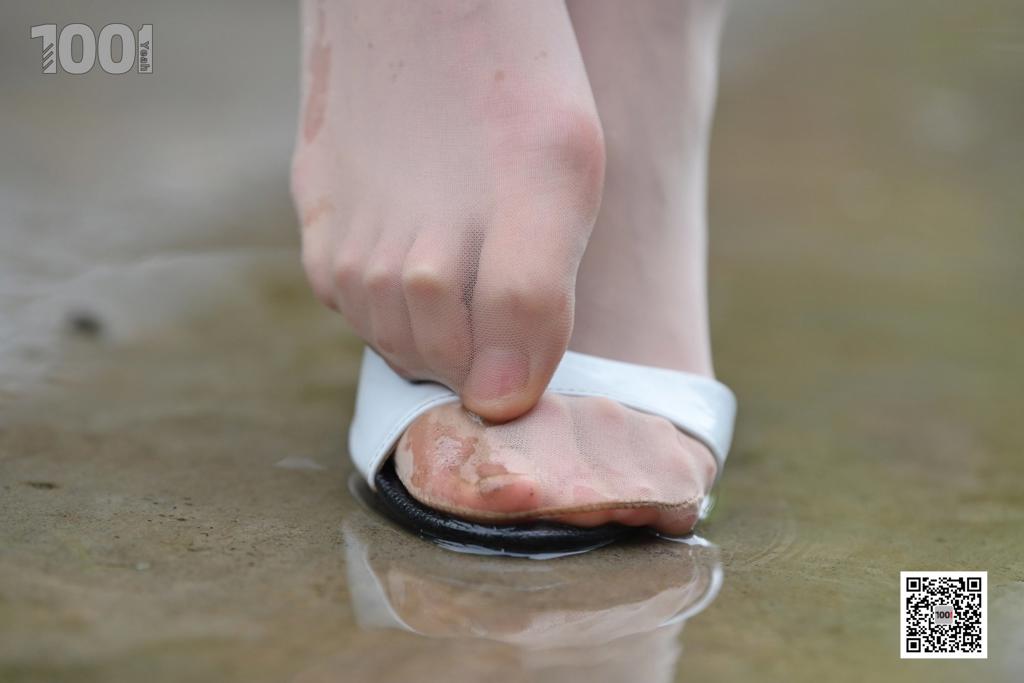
(609, 615)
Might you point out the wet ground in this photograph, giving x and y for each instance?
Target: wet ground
(175, 499)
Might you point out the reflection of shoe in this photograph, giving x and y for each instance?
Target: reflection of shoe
(571, 606)
(428, 615)
(387, 404)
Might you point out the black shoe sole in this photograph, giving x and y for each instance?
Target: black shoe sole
(533, 538)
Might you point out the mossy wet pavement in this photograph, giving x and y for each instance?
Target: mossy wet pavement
(175, 498)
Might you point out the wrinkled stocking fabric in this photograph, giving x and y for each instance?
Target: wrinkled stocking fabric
(568, 455)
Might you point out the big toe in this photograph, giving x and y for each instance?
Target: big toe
(446, 461)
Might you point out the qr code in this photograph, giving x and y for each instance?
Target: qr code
(943, 615)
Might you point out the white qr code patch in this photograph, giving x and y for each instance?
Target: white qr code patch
(943, 615)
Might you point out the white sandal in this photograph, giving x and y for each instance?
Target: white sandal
(386, 404)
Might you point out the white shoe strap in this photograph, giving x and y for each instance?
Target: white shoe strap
(386, 404)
